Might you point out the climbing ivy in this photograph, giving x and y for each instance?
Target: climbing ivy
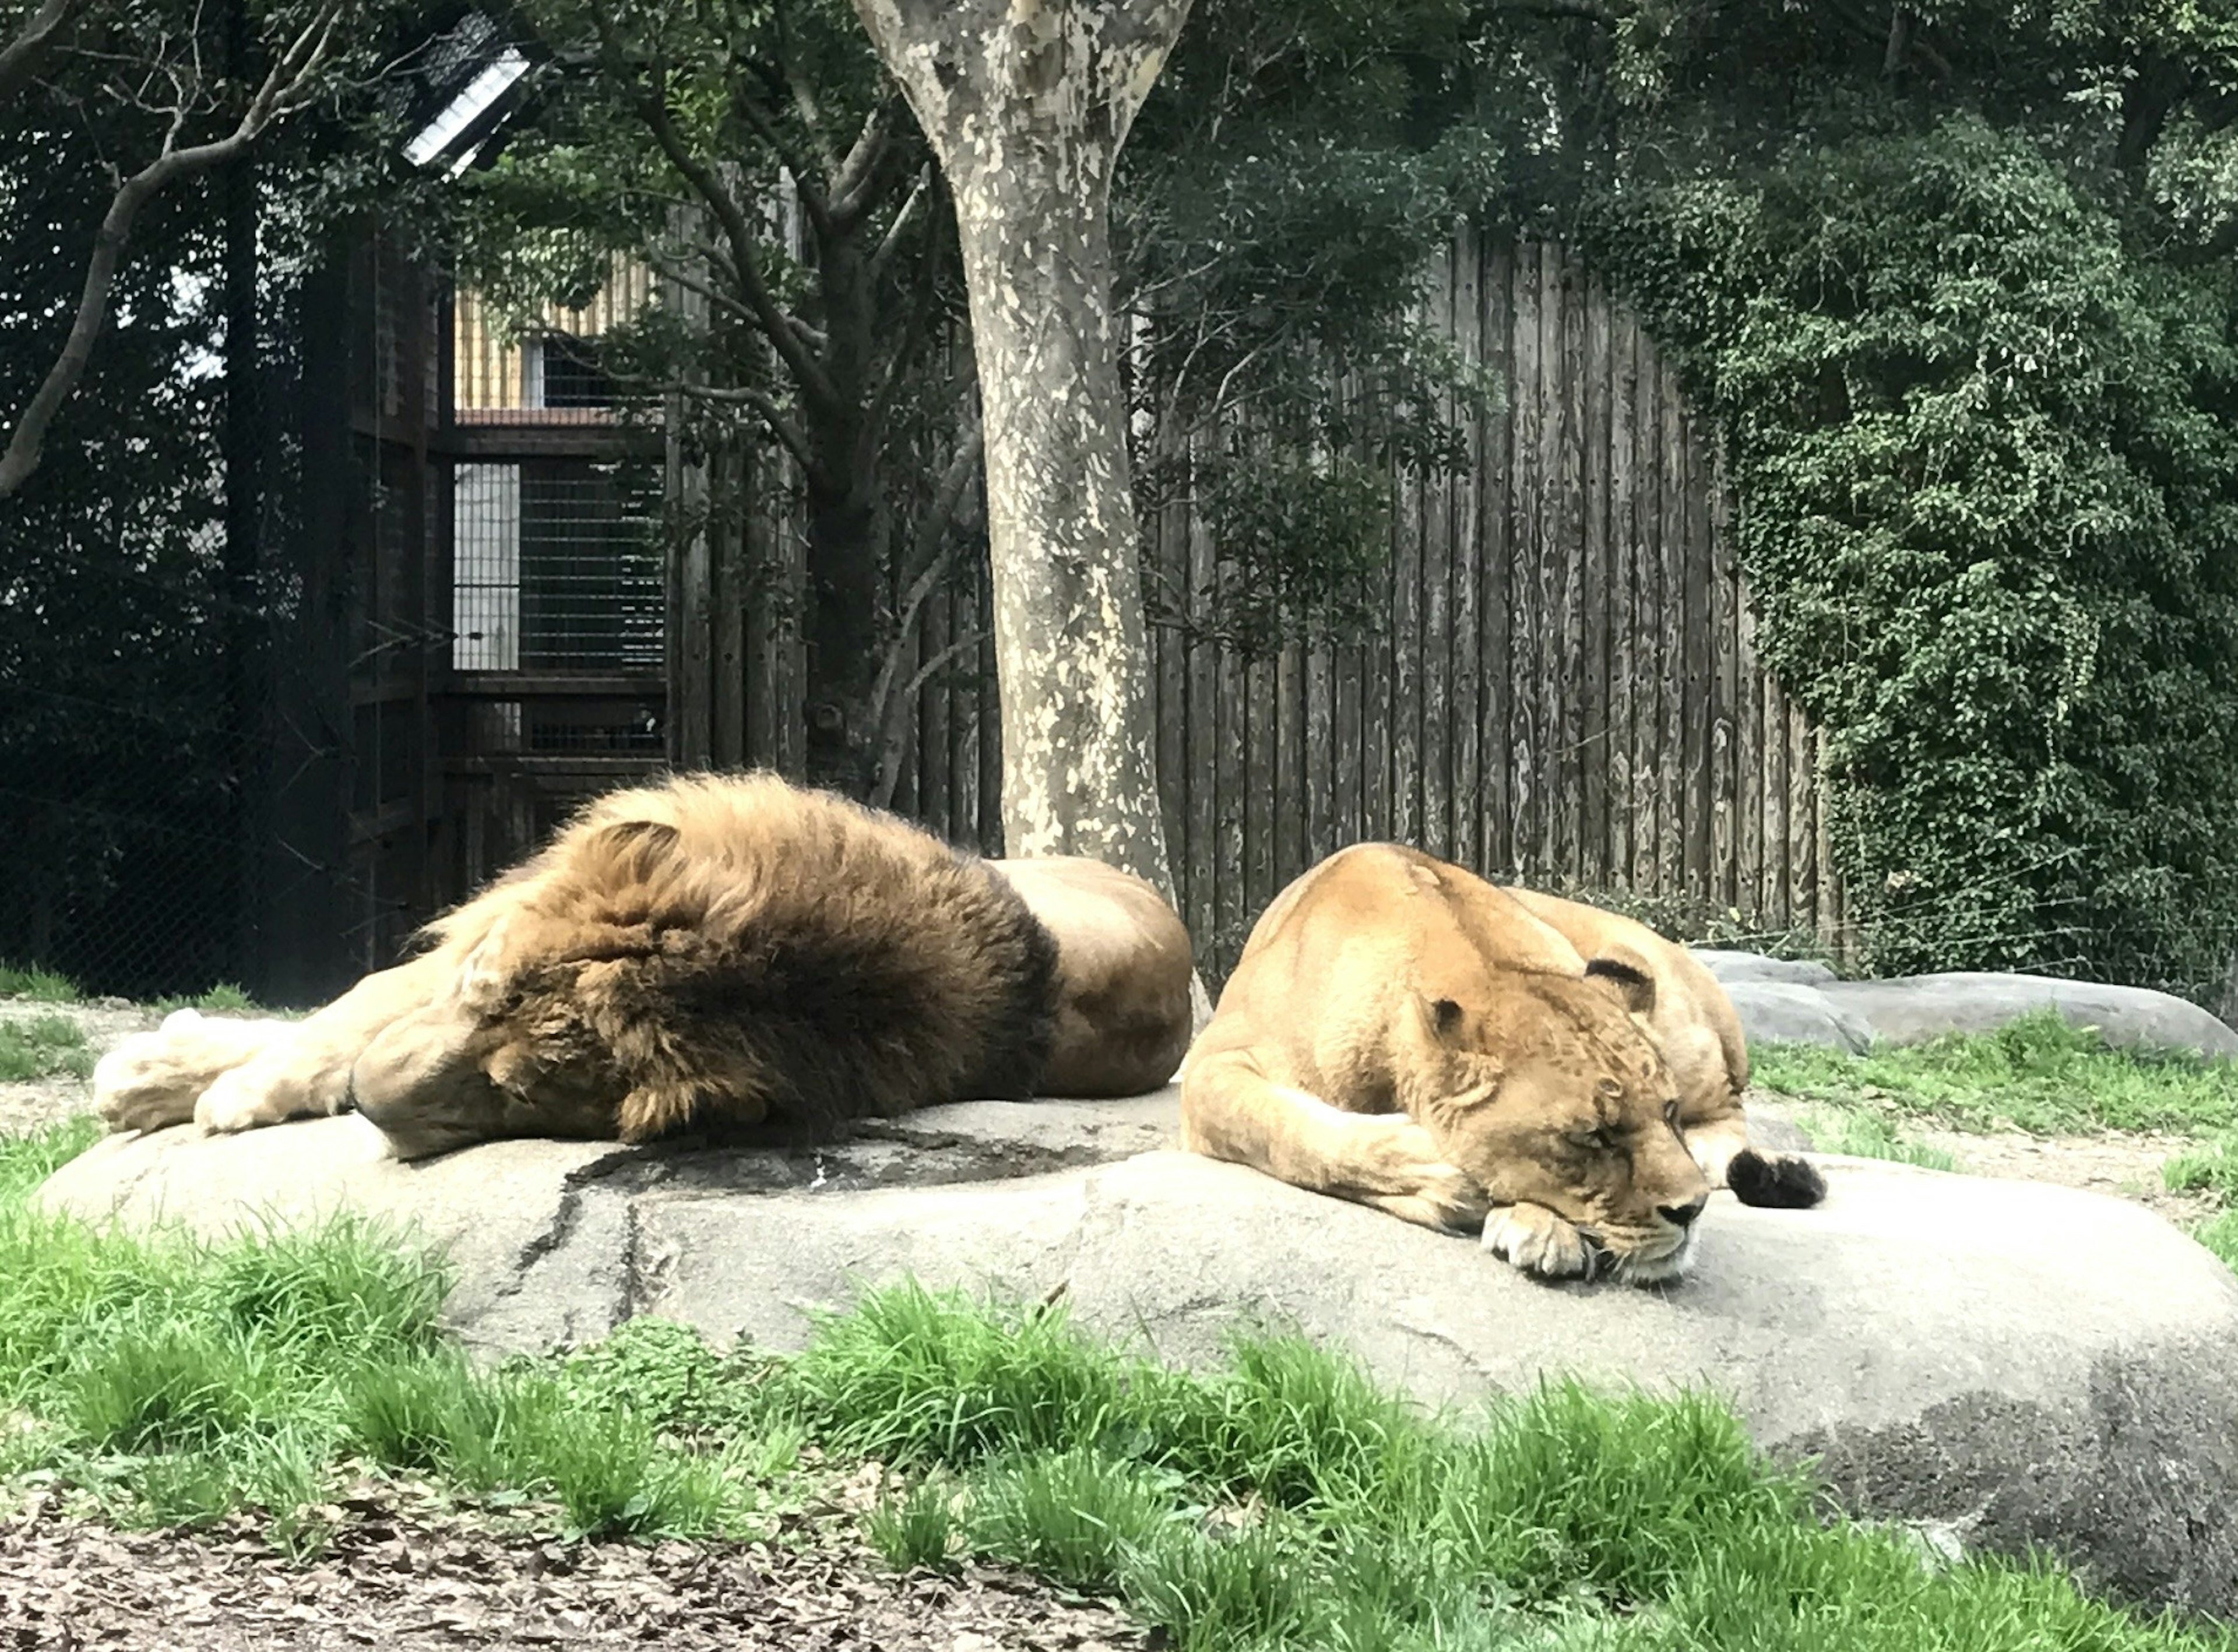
(1986, 459)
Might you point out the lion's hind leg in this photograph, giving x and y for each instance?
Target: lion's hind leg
(306, 1072)
(1230, 1110)
(153, 1079)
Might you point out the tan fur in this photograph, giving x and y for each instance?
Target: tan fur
(715, 952)
(1692, 1021)
(1124, 972)
(1401, 1033)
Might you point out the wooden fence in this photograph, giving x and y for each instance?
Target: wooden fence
(1566, 692)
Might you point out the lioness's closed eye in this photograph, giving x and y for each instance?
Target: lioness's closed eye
(1401, 1033)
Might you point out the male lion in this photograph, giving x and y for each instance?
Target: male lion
(704, 954)
(1401, 1033)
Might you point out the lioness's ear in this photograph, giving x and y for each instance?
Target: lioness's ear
(1445, 1016)
(1636, 985)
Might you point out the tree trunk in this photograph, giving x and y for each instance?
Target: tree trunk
(846, 552)
(1026, 103)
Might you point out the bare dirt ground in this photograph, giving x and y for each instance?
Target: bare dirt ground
(391, 1583)
(2125, 1165)
(30, 1103)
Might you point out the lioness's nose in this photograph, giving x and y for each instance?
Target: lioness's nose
(1684, 1215)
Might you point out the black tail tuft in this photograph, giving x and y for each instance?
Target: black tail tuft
(1776, 1184)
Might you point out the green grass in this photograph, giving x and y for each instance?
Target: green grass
(224, 996)
(43, 1046)
(172, 1381)
(1865, 1134)
(1285, 1501)
(42, 986)
(2038, 1074)
(1281, 1500)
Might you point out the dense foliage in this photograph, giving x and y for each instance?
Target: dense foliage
(1955, 284)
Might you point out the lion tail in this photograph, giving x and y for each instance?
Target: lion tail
(1784, 1182)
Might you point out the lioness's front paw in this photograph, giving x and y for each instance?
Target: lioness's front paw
(1417, 1186)
(1537, 1241)
(234, 1102)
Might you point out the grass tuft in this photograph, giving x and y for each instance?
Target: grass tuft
(44, 1047)
(41, 986)
(1869, 1136)
(224, 998)
(917, 1530)
(1078, 1516)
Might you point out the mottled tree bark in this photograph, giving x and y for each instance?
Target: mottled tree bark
(1026, 103)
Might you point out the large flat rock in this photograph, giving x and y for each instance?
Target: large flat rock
(1792, 1012)
(1733, 967)
(1805, 1003)
(1912, 1008)
(2022, 1363)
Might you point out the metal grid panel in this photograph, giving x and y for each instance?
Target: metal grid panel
(556, 567)
(543, 376)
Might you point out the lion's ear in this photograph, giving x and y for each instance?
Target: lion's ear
(1634, 985)
(1445, 1017)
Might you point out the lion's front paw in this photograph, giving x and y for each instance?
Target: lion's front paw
(151, 1080)
(1537, 1241)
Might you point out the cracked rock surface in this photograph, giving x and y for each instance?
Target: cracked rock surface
(2015, 1362)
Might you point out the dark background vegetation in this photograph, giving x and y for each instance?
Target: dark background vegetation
(1955, 282)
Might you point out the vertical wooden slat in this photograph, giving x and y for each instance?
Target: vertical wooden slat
(1407, 655)
(1171, 560)
(935, 796)
(1526, 518)
(1556, 803)
(1318, 760)
(1597, 595)
(1724, 642)
(1802, 823)
(1495, 464)
(1230, 753)
(1260, 802)
(1748, 758)
(1378, 814)
(1434, 559)
(1646, 621)
(1464, 556)
(1698, 715)
(1573, 686)
(1671, 792)
(1624, 532)
(1290, 805)
(1774, 904)
(728, 666)
(1202, 912)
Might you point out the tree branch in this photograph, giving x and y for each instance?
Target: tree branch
(855, 186)
(770, 409)
(891, 241)
(932, 557)
(20, 58)
(905, 351)
(770, 316)
(807, 182)
(291, 83)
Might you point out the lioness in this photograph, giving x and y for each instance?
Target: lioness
(1401, 1033)
(709, 952)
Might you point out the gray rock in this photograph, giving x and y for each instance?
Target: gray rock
(1732, 967)
(1793, 1012)
(1912, 1008)
(2015, 1363)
